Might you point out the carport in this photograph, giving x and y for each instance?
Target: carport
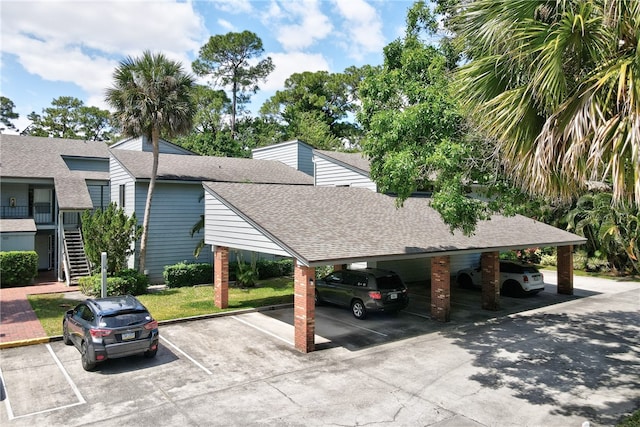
(319, 226)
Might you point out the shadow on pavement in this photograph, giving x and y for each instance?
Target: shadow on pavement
(561, 360)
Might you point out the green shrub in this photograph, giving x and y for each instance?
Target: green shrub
(546, 260)
(125, 282)
(597, 264)
(18, 268)
(187, 274)
(580, 260)
(269, 269)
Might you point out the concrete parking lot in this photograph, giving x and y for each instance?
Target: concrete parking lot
(550, 360)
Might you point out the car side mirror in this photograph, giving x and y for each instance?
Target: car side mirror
(69, 313)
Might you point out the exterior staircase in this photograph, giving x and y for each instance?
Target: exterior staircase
(76, 264)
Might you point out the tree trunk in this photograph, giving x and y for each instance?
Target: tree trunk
(155, 141)
(234, 101)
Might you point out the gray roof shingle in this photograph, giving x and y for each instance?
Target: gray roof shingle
(28, 157)
(207, 168)
(325, 224)
(18, 225)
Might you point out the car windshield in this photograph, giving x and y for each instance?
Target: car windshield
(120, 320)
(389, 282)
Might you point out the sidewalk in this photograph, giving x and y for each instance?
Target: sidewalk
(18, 321)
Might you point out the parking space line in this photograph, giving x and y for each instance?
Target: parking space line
(352, 324)
(263, 330)
(76, 391)
(187, 356)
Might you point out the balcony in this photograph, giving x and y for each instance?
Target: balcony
(41, 213)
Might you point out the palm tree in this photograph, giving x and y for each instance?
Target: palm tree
(557, 84)
(151, 96)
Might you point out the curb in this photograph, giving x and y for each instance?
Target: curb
(43, 340)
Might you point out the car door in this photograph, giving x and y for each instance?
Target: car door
(77, 322)
(328, 287)
(346, 290)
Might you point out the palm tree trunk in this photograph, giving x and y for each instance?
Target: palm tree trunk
(155, 137)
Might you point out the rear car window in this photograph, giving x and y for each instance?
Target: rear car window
(126, 319)
(389, 282)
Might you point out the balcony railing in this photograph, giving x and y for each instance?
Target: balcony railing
(41, 214)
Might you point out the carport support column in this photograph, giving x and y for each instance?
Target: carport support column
(565, 270)
(221, 276)
(440, 288)
(490, 270)
(304, 307)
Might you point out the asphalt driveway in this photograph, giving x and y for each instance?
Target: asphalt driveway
(560, 362)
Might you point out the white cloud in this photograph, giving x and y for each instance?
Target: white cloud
(289, 63)
(233, 6)
(82, 42)
(362, 28)
(297, 25)
(226, 25)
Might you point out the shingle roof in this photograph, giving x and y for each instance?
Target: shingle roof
(29, 157)
(325, 224)
(207, 168)
(355, 160)
(18, 225)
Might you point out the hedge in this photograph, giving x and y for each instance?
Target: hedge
(187, 274)
(18, 268)
(125, 282)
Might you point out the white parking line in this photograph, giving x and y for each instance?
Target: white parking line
(187, 356)
(263, 330)
(351, 324)
(75, 389)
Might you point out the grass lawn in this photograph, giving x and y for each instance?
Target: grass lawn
(173, 303)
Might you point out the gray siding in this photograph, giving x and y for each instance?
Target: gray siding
(293, 154)
(333, 174)
(176, 207)
(18, 241)
(226, 228)
(21, 194)
(142, 144)
(80, 164)
(120, 176)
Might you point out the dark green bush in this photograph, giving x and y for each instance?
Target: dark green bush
(187, 274)
(125, 282)
(18, 268)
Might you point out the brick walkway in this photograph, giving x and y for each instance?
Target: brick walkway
(18, 321)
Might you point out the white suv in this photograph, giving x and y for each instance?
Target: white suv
(516, 279)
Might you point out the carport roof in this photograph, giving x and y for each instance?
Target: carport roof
(332, 225)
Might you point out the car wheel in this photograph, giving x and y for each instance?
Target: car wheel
(65, 334)
(512, 288)
(317, 299)
(87, 363)
(151, 353)
(465, 282)
(358, 309)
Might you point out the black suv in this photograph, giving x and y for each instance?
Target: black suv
(108, 328)
(369, 289)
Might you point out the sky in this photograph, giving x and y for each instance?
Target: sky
(53, 48)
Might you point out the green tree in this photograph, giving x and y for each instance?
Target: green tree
(152, 97)
(321, 100)
(556, 85)
(416, 137)
(68, 117)
(7, 114)
(228, 59)
(613, 233)
(110, 231)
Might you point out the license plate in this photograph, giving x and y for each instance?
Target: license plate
(393, 296)
(128, 335)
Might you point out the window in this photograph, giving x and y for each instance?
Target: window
(122, 195)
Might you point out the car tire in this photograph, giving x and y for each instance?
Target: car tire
(65, 334)
(150, 354)
(465, 282)
(358, 309)
(87, 363)
(512, 288)
(317, 299)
